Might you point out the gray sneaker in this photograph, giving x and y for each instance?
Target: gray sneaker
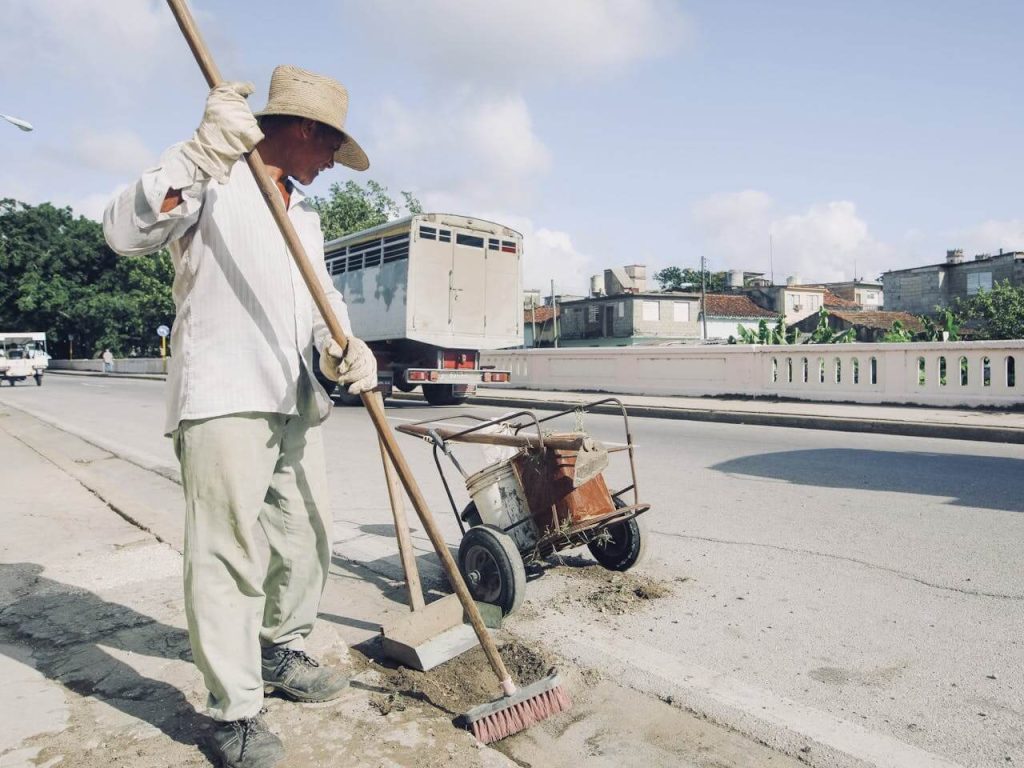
(245, 744)
(299, 677)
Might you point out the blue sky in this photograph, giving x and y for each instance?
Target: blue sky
(610, 132)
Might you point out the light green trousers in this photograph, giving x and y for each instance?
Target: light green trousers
(237, 471)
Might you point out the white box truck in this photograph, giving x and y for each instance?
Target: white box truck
(427, 293)
(23, 355)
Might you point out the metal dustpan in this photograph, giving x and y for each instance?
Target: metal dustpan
(436, 633)
(430, 634)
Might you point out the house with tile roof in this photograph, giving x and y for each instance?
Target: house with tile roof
(726, 311)
(867, 326)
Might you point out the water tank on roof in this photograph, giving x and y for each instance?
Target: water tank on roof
(793, 280)
(955, 256)
(597, 285)
(735, 278)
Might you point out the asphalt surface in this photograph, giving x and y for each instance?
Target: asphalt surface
(862, 594)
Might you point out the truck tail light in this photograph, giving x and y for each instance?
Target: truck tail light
(495, 377)
(416, 376)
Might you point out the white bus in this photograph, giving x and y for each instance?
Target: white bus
(427, 293)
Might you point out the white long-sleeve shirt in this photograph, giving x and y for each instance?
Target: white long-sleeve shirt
(245, 321)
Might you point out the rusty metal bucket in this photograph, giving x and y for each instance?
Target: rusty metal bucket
(547, 480)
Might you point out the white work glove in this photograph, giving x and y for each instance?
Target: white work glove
(355, 368)
(228, 130)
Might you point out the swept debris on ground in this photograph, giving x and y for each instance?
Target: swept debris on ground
(609, 592)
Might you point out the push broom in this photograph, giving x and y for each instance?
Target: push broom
(517, 709)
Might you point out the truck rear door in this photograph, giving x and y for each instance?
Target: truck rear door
(467, 288)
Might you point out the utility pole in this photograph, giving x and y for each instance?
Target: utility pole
(533, 318)
(703, 305)
(771, 260)
(554, 315)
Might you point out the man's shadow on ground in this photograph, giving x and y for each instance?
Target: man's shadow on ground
(64, 627)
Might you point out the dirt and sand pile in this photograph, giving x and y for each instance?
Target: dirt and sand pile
(461, 683)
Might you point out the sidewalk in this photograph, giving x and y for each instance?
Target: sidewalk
(93, 650)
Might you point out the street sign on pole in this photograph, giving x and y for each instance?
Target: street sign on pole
(163, 332)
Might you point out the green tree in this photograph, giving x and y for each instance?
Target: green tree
(995, 314)
(60, 277)
(946, 329)
(825, 334)
(897, 334)
(765, 334)
(685, 278)
(351, 208)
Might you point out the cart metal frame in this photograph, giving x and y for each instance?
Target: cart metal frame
(558, 539)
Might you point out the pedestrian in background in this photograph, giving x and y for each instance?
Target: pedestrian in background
(244, 409)
(108, 361)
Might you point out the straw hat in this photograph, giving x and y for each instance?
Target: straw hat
(299, 92)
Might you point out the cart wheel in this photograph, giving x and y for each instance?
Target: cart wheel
(493, 568)
(623, 546)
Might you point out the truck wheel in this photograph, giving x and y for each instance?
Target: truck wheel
(493, 568)
(342, 397)
(621, 546)
(442, 394)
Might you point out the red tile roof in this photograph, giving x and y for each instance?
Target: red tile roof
(831, 301)
(883, 320)
(540, 314)
(729, 305)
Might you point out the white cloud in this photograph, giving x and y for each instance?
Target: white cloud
(92, 206)
(119, 152)
(824, 243)
(90, 41)
(481, 152)
(512, 41)
(989, 237)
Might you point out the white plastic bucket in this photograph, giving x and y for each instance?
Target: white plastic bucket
(501, 502)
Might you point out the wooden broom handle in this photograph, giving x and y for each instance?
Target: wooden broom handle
(373, 405)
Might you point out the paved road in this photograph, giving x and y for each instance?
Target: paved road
(863, 592)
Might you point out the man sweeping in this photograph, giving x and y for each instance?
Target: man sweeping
(244, 409)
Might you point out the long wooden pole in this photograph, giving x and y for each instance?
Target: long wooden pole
(373, 406)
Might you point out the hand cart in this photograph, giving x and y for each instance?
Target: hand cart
(542, 493)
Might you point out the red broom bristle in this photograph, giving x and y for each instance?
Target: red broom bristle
(521, 715)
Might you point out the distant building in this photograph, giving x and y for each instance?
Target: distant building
(539, 326)
(868, 326)
(725, 312)
(793, 301)
(921, 289)
(629, 318)
(866, 294)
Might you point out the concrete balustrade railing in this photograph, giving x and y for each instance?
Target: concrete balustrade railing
(121, 365)
(941, 373)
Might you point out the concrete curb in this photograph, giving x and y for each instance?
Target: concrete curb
(101, 375)
(552, 402)
(834, 423)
